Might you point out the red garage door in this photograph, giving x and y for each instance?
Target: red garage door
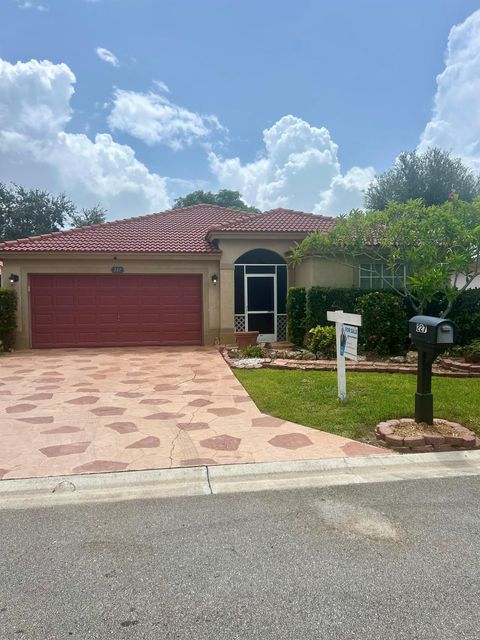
(115, 310)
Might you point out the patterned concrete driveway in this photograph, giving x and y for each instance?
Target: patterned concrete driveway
(84, 410)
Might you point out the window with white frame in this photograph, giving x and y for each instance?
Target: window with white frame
(378, 275)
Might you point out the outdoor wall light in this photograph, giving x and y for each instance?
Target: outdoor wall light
(13, 278)
(214, 279)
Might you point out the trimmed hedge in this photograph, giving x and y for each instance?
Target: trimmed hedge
(384, 323)
(296, 301)
(323, 299)
(8, 318)
(465, 315)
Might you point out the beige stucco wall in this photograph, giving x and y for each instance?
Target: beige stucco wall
(323, 272)
(218, 308)
(74, 264)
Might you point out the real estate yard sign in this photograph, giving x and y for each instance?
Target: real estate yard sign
(346, 326)
(349, 340)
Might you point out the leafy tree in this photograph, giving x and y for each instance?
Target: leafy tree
(32, 212)
(433, 176)
(87, 217)
(27, 212)
(436, 244)
(224, 198)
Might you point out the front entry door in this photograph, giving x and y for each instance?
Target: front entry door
(261, 306)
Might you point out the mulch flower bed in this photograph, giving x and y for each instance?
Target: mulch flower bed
(407, 436)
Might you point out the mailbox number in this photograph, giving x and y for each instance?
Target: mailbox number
(421, 328)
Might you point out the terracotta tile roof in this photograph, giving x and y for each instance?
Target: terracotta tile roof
(186, 230)
(278, 221)
(174, 231)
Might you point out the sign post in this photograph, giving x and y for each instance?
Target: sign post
(346, 327)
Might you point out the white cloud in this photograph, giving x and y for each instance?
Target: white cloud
(36, 151)
(152, 118)
(161, 85)
(29, 4)
(345, 192)
(107, 56)
(455, 122)
(299, 169)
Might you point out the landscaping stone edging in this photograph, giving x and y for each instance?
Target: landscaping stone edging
(459, 365)
(466, 371)
(465, 438)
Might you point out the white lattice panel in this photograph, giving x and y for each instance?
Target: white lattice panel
(281, 327)
(240, 322)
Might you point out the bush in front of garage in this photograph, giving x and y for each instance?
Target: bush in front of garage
(8, 318)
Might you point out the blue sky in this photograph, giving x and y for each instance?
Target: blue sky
(365, 70)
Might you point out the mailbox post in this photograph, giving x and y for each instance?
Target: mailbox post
(431, 336)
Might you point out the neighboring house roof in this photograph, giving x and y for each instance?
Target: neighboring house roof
(186, 230)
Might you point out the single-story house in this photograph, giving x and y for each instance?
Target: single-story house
(186, 276)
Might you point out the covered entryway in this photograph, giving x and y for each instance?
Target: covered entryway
(261, 294)
(115, 310)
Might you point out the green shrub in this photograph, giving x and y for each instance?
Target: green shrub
(253, 351)
(472, 352)
(322, 341)
(296, 302)
(384, 322)
(456, 351)
(465, 315)
(8, 318)
(323, 299)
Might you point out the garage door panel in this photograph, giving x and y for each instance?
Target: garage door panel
(63, 319)
(104, 310)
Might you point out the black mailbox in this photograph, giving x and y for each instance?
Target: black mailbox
(431, 336)
(434, 332)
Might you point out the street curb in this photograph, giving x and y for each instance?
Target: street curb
(233, 478)
(341, 471)
(104, 487)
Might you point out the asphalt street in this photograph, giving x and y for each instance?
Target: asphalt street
(380, 561)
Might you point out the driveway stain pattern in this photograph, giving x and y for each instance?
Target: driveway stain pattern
(94, 410)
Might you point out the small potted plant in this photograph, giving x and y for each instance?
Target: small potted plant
(246, 338)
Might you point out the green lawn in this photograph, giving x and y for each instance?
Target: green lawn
(310, 398)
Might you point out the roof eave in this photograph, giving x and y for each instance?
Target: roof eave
(7, 255)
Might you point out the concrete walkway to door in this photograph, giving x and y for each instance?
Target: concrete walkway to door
(83, 410)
